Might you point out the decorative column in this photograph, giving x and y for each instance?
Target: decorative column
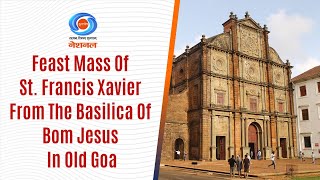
(290, 139)
(231, 134)
(263, 137)
(246, 148)
(247, 133)
(243, 140)
(268, 149)
(213, 140)
(205, 135)
(279, 149)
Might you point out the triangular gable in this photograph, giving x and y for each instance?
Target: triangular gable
(250, 22)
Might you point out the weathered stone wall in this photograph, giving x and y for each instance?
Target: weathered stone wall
(176, 125)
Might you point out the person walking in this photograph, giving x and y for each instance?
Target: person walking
(259, 154)
(239, 165)
(273, 160)
(185, 156)
(313, 158)
(232, 163)
(246, 165)
(249, 160)
(300, 155)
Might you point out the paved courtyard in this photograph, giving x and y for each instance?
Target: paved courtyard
(258, 168)
(171, 173)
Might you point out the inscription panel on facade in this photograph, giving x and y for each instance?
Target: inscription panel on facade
(222, 125)
(284, 126)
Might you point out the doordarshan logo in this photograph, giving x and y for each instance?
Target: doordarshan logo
(82, 24)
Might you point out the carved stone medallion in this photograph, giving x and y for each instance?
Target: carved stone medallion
(250, 71)
(219, 64)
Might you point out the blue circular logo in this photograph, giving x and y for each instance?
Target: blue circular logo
(83, 24)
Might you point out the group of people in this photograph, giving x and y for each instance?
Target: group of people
(313, 157)
(245, 163)
(238, 163)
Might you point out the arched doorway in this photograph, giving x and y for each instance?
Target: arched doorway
(178, 149)
(254, 139)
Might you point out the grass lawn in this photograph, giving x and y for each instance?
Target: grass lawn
(307, 178)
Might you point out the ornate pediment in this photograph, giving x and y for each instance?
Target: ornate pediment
(280, 95)
(250, 22)
(252, 92)
(220, 87)
(221, 41)
(274, 56)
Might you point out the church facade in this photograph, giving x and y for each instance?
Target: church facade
(230, 94)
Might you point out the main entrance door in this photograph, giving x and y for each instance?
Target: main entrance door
(221, 147)
(254, 139)
(252, 150)
(283, 145)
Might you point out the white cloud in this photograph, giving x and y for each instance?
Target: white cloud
(305, 65)
(286, 36)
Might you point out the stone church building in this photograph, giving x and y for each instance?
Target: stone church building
(230, 94)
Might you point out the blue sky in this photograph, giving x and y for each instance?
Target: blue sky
(294, 25)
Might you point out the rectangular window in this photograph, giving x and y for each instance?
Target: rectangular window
(318, 87)
(253, 104)
(303, 91)
(220, 98)
(305, 114)
(281, 107)
(307, 142)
